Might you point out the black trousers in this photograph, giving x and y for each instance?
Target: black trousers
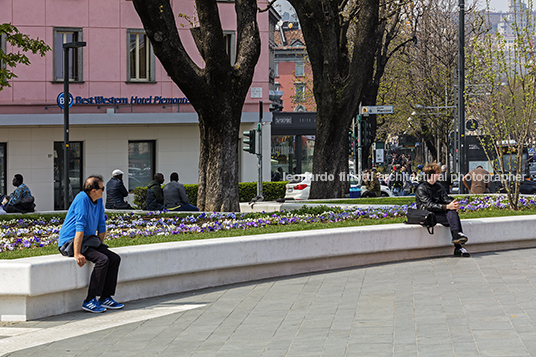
(451, 219)
(104, 276)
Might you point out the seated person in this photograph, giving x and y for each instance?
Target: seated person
(155, 196)
(20, 200)
(116, 192)
(431, 196)
(372, 185)
(175, 197)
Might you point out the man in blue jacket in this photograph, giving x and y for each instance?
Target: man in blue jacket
(82, 236)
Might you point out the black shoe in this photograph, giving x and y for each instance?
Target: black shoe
(461, 252)
(460, 238)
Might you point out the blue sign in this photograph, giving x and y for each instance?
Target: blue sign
(60, 100)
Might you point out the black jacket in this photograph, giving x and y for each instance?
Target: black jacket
(115, 193)
(432, 197)
(155, 197)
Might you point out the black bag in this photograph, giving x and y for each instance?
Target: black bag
(423, 217)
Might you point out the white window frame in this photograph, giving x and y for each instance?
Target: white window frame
(299, 68)
(150, 71)
(230, 45)
(299, 95)
(58, 52)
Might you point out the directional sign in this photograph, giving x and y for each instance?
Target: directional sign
(61, 101)
(377, 109)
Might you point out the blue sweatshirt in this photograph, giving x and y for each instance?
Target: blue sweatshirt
(83, 216)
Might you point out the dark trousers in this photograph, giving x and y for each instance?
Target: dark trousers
(104, 276)
(450, 219)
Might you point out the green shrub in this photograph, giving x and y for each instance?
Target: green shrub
(246, 191)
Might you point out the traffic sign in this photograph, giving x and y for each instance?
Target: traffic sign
(60, 100)
(377, 109)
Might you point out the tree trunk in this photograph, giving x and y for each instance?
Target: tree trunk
(339, 80)
(217, 92)
(218, 160)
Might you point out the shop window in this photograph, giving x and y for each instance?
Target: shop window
(3, 169)
(141, 163)
(140, 57)
(299, 68)
(75, 70)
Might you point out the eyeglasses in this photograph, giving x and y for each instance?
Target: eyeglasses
(101, 188)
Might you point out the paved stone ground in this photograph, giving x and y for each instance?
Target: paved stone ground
(479, 306)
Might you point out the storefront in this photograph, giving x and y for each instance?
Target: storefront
(139, 144)
(293, 142)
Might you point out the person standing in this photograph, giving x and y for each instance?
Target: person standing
(116, 192)
(479, 179)
(431, 196)
(175, 197)
(82, 236)
(446, 179)
(372, 185)
(396, 181)
(155, 196)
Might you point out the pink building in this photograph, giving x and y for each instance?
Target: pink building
(127, 113)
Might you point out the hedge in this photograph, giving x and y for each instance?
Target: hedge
(246, 191)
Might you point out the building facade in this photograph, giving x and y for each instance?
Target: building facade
(127, 113)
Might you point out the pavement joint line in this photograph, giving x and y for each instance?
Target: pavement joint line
(36, 337)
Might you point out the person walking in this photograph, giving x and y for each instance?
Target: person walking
(82, 236)
(431, 196)
(175, 197)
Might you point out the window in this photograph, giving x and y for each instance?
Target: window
(2, 48)
(3, 169)
(75, 70)
(230, 47)
(276, 69)
(140, 57)
(300, 69)
(299, 92)
(141, 163)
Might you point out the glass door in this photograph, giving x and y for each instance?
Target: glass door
(75, 172)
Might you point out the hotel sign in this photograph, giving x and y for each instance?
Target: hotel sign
(101, 100)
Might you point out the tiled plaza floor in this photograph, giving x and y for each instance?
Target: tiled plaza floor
(479, 306)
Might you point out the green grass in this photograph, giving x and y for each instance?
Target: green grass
(255, 231)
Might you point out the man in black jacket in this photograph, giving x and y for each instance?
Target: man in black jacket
(116, 192)
(155, 195)
(432, 196)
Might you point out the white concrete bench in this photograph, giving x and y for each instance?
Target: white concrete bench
(36, 287)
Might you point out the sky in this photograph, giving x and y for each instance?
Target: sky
(497, 5)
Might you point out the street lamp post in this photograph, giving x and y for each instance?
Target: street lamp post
(66, 104)
(461, 90)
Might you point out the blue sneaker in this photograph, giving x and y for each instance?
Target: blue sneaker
(93, 306)
(110, 303)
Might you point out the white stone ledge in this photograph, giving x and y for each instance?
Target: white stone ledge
(36, 287)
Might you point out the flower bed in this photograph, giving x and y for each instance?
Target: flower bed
(21, 233)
